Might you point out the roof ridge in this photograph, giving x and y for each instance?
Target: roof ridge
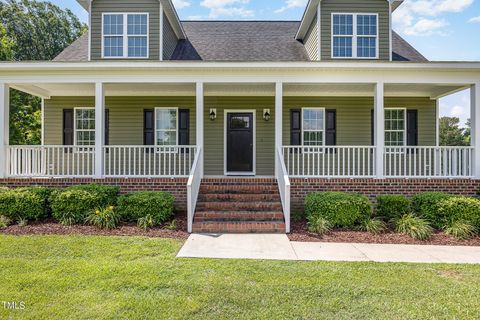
(243, 21)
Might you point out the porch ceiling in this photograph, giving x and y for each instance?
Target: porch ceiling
(47, 90)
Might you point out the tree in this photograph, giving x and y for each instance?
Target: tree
(32, 30)
(451, 134)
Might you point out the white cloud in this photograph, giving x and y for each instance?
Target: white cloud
(180, 4)
(422, 17)
(474, 20)
(230, 8)
(289, 4)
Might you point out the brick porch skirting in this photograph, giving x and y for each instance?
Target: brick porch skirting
(373, 187)
(177, 186)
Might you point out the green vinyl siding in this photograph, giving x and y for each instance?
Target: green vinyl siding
(152, 7)
(311, 40)
(215, 132)
(170, 39)
(126, 116)
(355, 6)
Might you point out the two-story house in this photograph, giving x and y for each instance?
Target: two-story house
(241, 119)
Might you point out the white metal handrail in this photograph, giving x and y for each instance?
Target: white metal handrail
(193, 187)
(50, 161)
(283, 182)
(428, 162)
(148, 161)
(330, 161)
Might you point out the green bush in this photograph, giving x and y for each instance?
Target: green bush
(23, 204)
(342, 210)
(106, 218)
(373, 226)
(152, 208)
(72, 206)
(107, 195)
(5, 222)
(457, 209)
(426, 206)
(319, 225)
(460, 230)
(45, 194)
(392, 207)
(416, 228)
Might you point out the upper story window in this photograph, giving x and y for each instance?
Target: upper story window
(125, 35)
(355, 35)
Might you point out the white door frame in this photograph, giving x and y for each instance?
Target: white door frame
(254, 153)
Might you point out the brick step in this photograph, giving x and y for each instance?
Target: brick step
(239, 206)
(239, 227)
(222, 197)
(210, 216)
(238, 189)
(239, 181)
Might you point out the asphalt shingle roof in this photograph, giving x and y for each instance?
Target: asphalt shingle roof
(241, 41)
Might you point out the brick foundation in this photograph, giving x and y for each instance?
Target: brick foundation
(372, 187)
(177, 187)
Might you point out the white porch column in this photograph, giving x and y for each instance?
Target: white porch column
(4, 127)
(379, 115)
(278, 120)
(99, 128)
(475, 131)
(200, 122)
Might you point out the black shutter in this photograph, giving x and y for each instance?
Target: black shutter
(149, 127)
(372, 126)
(331, 128)
(184, 128)
(107, 127)
(412, 128)
(68, 127)
(296, 127)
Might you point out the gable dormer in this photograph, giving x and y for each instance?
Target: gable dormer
(132, 29)
(348, 29)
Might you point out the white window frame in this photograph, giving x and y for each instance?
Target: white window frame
(355, 36)
(125, 34)
(404, 127)
(324, 127)
(157, 146)
(75, 130)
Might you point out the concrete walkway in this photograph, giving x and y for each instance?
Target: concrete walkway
(278, 247)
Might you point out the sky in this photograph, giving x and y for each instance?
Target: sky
(442, 30)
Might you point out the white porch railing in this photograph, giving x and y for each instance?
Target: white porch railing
(330, 161)
(429, 162)
(193, 187)
(284, 187)
(50, 161)
(148, 161)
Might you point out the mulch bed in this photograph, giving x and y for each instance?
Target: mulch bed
(53, 228)
(300, 233)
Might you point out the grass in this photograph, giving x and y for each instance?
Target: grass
(76, 277)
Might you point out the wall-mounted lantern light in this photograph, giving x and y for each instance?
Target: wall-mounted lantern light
(266, 114)
(213, 114)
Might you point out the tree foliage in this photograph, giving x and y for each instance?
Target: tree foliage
(32, 30)
(451, 134)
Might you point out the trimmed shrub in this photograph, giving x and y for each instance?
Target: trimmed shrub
(392, 207)
(106, 218)
(416, 228)
(45, 194)
(457, 209)
(72, 206)
(426, 206)
(22, 204)
(342, 210)
(148, 208)
(107, 195)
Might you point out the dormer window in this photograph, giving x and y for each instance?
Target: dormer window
(125, 35)
(354, 35)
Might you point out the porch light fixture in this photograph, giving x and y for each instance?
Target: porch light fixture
(213, 114)
(266, 114)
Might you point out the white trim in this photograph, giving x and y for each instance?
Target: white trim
(90, 30)
(404, 127)
(323, 131)
(160, 52)
(156, 129)
(475, 127)
(319, 30)
(254, 153)
(278, 120)
(99, 129)
(125, 35)
(437, 122)
(82, 130)
(390, 23)
(4, 127)
(379, 129)
(42, 122)
(354, 36)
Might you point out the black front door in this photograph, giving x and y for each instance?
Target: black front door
(239, 142)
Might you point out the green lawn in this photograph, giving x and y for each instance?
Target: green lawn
(75, 277)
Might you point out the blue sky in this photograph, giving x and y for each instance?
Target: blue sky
(442, 30)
